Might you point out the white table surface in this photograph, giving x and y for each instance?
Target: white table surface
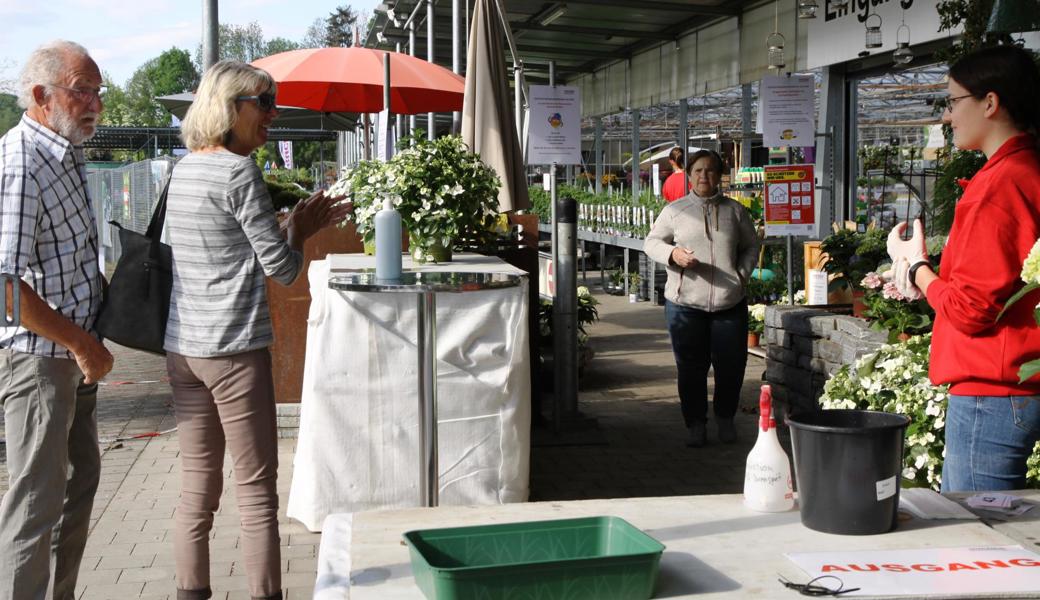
(715, 548)
(358, 445)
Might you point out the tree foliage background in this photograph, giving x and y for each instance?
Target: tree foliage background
(132, 103)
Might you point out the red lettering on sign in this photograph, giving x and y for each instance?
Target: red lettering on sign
(960, 567)
(926, 567)
(896, 568)
(864, 568)
(1024, 562)
(830, 568)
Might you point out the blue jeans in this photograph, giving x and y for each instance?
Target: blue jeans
(988, 439)
(700, 340)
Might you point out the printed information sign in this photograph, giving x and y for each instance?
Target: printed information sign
(790, 200)
(554, 125)
(788, 112)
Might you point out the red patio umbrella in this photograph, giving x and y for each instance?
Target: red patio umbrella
(351, 80)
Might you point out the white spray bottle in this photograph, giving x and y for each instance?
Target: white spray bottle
(387, 224)
(767, 476)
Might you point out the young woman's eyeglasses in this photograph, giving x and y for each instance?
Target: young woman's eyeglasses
(951, 100)
(264, 102)
(85, 94)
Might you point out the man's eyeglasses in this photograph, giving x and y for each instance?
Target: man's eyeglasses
(264, 102)
(951, 100)
(85, 94)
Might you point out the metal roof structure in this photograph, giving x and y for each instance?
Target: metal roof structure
(580, 36)
(584, 36)
(168, 138)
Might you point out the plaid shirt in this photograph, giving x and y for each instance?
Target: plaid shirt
(48, 235)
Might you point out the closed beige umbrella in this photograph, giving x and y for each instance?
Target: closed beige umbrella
(487, 116)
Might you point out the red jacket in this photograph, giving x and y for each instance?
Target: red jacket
(996, 223)
(673, 187)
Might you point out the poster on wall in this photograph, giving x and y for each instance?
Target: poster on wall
(554, 134)
(790, 200)
(837, 35)
(788, 110)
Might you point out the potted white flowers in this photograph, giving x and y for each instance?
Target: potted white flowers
(756, 323)
(445, 194)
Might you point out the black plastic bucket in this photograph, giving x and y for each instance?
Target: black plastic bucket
(848, 465)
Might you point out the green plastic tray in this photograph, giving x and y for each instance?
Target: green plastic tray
(594, 558)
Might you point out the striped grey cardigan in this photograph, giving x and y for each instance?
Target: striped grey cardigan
(222, 228)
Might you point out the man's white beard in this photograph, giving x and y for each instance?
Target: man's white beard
(71, 129)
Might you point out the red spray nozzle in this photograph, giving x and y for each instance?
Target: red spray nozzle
(765, 408)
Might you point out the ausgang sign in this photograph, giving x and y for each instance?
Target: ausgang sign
(838, 35)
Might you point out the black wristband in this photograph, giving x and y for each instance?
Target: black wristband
(912, 273)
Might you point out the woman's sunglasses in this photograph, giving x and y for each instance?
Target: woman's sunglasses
(264, 102)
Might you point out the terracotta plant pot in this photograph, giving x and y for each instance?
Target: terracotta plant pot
(752, 339)
(858, 306)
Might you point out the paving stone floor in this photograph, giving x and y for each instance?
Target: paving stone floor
(635, 449)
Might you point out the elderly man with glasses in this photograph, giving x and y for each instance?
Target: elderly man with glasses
(51, 362)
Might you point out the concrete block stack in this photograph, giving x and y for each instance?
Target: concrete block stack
(805, 346)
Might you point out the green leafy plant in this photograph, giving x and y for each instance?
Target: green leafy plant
(851, 255)
(284, 194)
(634, 281)
(444, 192)
(961, 164)
(891, 311)
(587, 314)
(765, 291)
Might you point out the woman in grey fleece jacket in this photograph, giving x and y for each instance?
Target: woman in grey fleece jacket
(708, 244)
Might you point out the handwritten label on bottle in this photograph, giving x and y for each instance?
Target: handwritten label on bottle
(762, 474)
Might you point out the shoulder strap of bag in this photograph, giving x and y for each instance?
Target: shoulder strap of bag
(155, 226)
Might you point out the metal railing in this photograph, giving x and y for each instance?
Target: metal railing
(126, 195)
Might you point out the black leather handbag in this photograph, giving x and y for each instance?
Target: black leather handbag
(137, 304)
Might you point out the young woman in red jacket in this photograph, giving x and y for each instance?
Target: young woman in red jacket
(992, 421)
(675, 186)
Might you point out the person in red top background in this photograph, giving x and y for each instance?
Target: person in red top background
(675, 186)
(992, 421)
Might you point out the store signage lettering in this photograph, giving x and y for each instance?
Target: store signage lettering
(861, 8)
(932, 568)
(964, 572)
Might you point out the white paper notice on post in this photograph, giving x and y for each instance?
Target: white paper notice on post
(959, 572)
(554, 133)
(788, 110)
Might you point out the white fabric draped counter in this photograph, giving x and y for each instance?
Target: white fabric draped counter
(358, 446)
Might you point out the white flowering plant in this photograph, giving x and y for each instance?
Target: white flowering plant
(756, 318)
(445, 194)
(895, 379)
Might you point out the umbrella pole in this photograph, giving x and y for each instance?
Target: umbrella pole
(366, 150)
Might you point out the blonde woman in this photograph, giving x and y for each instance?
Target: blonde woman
(225, 241)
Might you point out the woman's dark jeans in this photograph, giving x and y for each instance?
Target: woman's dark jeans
(700, 340)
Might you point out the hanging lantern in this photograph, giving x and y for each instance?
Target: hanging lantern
(775, 51)
(807, 9)
(902, 55)
(873, 39)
